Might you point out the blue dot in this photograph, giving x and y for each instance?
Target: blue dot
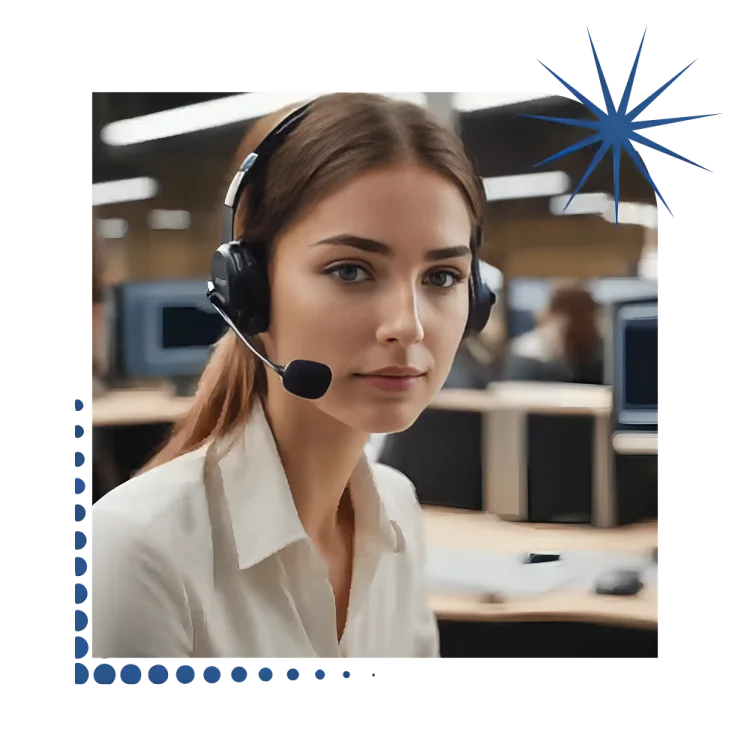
(79, 540)
(292, 674)
(81, 621)
(81, 593)
(239, 674)
(211, 674)
(185, 675)
(373, 674)
(265, 674)
(79, 459)
(346, 674)
(158, 674)
(80, 486)
(79, 404)
(82, 674)
(104, 674)
(320, 674)
(80, 512)
(79, 431)
(130, 674)
(82, 648)
(80, 566)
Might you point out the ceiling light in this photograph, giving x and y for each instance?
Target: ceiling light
(526, 185)
(171, 220)
(469, 101)
(124, 191)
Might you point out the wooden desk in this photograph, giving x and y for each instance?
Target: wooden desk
(505, 407)
(636, 443)
(456, 529)
(138, 406)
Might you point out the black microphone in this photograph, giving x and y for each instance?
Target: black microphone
(301, 377)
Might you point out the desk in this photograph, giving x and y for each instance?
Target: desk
(118, 408)
(505, 407)
(455, 529)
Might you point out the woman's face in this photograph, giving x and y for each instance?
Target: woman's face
(375, 276)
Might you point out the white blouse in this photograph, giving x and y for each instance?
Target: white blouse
(205, 556)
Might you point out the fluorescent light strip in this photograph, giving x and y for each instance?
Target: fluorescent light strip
(583, 203)
(169, 220)
(112, 229)
(199, 116)
(260, 102)
(642, 214)
(469, 101)
(526, 186)
(125, 191)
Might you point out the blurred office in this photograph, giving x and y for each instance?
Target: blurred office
(537, 463)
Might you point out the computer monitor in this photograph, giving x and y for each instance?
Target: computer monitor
(633, 363)
(164, 329)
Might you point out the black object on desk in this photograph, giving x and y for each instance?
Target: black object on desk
(541, 557)
(619, 583)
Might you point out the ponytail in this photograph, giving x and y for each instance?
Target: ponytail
(224, 400)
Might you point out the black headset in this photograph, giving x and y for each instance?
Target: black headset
(240, 291)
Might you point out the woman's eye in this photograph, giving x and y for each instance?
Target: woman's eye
(349, 274)
(443, 279)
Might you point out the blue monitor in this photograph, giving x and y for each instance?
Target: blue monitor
(634, 353)
(165, 329)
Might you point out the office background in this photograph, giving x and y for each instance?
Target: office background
(561, 460)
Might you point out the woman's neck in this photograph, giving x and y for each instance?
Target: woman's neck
(319, 455)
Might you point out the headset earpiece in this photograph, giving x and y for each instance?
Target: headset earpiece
(481, 297)
(240, 286)
(481, 304)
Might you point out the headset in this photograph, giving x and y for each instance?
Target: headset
(240, 292)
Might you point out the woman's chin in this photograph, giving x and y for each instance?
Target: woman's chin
(387, 418)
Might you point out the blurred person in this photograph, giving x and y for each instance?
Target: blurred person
(261, 528)
(565, 346)
(105, 475)
(479, 359)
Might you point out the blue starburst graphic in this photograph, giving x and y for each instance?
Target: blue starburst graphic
(616, 128)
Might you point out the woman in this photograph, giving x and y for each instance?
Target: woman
(565, 346)
(261, 529)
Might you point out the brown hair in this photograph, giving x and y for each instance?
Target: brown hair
(342, 136)
(574, 305)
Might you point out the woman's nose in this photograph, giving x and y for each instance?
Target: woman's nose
(400, 320)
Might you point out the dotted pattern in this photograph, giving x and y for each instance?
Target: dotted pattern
(178, 675)
(166, 675)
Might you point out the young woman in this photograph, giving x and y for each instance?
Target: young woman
(261, 529)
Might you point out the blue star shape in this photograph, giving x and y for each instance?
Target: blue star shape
(616, 128)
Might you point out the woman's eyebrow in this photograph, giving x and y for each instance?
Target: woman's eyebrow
(374, 246)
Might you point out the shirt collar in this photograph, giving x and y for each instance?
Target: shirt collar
(262, 512)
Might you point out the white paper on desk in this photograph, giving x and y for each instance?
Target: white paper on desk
(481, 572)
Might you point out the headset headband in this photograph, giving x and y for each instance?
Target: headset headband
(256, 160)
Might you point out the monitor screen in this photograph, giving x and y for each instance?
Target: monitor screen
(165, 329)
(633, 356)
(189, 327)
(641, 364)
